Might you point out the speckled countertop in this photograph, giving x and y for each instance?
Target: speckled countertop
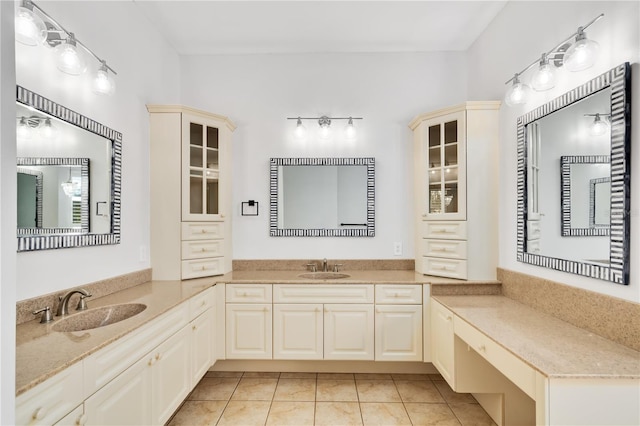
(553, 347)
(42, 352)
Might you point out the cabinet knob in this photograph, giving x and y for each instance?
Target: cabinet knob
(204, 249)
(377, 310)
(326, 309)
(193, 327)
(203, 303)
(317, 309)
(448, 317)
(204, 231)
(204, 267)
(81, 420)
(266, 309)
(221, 216)
(482, 348)
(158, 356)
(151, 361)
(395, 295)
(39, 413)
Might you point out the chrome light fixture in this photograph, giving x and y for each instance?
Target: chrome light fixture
(598, 126)
(27, 126)
(47, 130)
(324, 131)
(70, 187)
(23, 130)
(33, 26)
(576, 52)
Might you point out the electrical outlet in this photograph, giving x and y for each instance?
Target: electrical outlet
(397, 248)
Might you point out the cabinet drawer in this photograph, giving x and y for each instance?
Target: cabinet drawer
(107, 363)
(202, 230)
(201, 249)
(394, 294)
(248, 293)
(507, 363)
(196, 268)
(200, 303)
(51, 400)
(450, 249)
(452, 268)
(445, 230)
(320, 293)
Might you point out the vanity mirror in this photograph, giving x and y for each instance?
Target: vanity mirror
(573, 184)
(68, 178)
(322, 197)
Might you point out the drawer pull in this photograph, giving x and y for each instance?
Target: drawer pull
(39, 414)
(449, 318)
(442, 231)
(193, 327)
(158, 356)
(204, 249)
(482, 348)
(151, 361)
(204, 231)
(317, 309)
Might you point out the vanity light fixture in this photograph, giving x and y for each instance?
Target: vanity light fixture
(576, 53)
(47, 130)
(33, 28)
(70, 187)
(27, 126)
(599, 126)
(324, 124)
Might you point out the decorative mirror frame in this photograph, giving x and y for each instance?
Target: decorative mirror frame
(592, 201)
(368, 231)
(55, 241)
(84, 193)
(565, 194)
(619, 79)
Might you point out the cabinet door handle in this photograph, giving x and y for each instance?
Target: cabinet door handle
(151, 361)
(204, 249)
(204, 302)
(377, 310)
(158, 356)
(81, 420)
(204, 231)
(193, 327)
(482, 348)
(448, 317)
(222, 216)
(39, 414)
(326, 309)
(317, 309)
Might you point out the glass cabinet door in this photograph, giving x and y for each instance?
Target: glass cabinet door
(202, 150)
(446, 168)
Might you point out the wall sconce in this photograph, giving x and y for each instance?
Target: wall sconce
(324, 123)
(28, 125)
(598, 126)
(576, 53)
(33, 29)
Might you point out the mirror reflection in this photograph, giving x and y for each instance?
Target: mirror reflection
(63, 157)
(322, 197)
(53, 195)
(573, 180)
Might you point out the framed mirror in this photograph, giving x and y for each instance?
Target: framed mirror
(557, 143)
(70, 154)
(585, 195)
(53, 195)
(322, 197)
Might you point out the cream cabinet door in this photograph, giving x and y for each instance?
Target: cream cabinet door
(348, 333)
(398, 333)
(201, 330)
(442, 355)
(297, 331)
(249, 331)
(171, 377)
(126, 400)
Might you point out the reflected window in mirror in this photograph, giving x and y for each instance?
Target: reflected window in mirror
(322, 197)
(573, 182)
(78, 161)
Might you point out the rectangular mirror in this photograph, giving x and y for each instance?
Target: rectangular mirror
(322, 197)
(68, 176)
(53, 195)
(574, 180)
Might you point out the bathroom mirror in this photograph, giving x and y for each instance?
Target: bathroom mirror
(556, 143)
(53, 195)
(585, 195)
(322, 197)
(51, 137)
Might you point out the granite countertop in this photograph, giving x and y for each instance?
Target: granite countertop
(553, 347)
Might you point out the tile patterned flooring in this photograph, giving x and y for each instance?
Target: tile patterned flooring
(243, 399)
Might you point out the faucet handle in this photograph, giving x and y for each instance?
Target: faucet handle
(82, 304)
(46, 314)
(312, 267)
(336, 267)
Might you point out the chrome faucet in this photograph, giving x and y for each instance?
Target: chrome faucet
(325, 268)
(63, 306)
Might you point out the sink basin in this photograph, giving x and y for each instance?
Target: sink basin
(98, 317)
(324, 275)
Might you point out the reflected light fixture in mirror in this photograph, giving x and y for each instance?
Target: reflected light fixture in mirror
(33, 27)
(598, 126)
(324, 130)
(28, 125)
(575, 54)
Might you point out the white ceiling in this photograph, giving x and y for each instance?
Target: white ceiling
(249, 27)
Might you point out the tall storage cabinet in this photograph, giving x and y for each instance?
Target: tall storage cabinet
(456, 190)
(190, 154)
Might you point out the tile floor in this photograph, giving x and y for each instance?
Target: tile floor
(243, 399)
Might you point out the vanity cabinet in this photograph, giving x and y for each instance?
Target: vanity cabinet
(190, 159)
(456, 190)
(398, 322)
(248, 321)
(442, 342)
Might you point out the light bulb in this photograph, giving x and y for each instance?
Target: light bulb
(544, 77)
(325, 127)
(29, 28)
(518, 93)
(103, 82)
(70, 60)
(582, 54)
(300, 133)
(47, 130)
(350, 131)
(599, 126)
(23, 130)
